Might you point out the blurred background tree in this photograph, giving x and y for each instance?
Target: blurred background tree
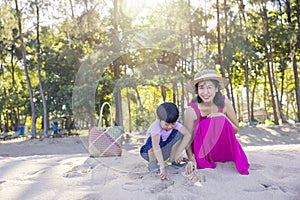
(138, 54)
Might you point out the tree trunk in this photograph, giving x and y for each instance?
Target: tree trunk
(118, 99)
(219, 39)
(243, 19)
(129, 111)
(33, 117)
(279, 100)
(271, 88)
(297, 88)
(163, 92)
(266, 93)
(239, 109)
(16, 123)
(12, 66)
(182, 103)
(39, 63)
(7, 129)
(116, 66)
(141, 109)
(276, 91)
(293, 53)
(242, 106)
(191, 37)
(231, 90)
(247, 94)
(269, 59)
(72, 9)
(253, 97)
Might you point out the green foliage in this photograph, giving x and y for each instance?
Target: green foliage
(152, 73)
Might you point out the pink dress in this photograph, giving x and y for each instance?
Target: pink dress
(215, 141)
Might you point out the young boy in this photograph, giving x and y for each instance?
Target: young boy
(165, 138)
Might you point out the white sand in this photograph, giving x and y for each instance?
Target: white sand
(60, 168)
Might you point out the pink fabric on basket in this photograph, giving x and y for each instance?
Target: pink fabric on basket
(215, 141)
(101, 142)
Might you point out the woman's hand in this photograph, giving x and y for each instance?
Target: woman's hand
(216, 114)
(163, 173)
(190, 167)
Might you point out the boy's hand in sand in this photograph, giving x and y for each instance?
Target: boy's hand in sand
(163, 173)
(190, 167)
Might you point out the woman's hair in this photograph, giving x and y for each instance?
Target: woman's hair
(218, 100)
(167, 112)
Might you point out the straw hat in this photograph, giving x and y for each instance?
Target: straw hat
(209, 74)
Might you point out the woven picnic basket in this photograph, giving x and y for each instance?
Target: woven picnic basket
(105, 142)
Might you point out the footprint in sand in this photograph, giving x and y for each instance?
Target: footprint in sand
(81, 170)
(195, 177)
(1, 183)
(266, 187)
(131, 186)
(162, 185)
(137, 175)
(34, 174)
(255, 166)
(138, 180)
(165, 197)
(138, 172)
(76, 172)
(283, 155)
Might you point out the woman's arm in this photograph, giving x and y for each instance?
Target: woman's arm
(231, 116)
(189, 118)
(183, 144)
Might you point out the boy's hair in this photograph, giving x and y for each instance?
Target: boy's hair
(167, 112)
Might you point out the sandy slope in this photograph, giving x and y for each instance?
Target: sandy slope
(60, 168)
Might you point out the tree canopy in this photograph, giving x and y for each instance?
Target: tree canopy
(65, 58)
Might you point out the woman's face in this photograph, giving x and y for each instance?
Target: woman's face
(207, 91)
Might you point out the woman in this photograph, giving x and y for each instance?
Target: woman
(212, 120)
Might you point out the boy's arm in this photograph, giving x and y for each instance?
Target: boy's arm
(157, 150)
(159, 156)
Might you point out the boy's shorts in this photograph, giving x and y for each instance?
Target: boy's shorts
(166, 146)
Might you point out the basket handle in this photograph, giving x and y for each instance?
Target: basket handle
(101, 114)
